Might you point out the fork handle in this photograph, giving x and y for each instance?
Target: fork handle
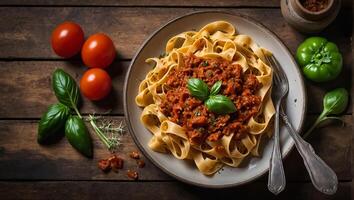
(322, 176)
(276, 177)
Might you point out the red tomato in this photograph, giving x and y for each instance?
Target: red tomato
(67, 39)
(98, 51)
(95, 84)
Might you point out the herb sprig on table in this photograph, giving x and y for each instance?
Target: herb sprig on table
(65, 116)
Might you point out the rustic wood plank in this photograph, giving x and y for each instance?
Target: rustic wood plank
(28, 88)
(30, 27)
(157, 190)
(352, 150)
(196, 3)
(23, 159)
(163, 3)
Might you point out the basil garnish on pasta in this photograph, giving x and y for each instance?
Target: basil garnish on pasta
(216, 88)
(215, 102)
(220, 104)
(198, 89)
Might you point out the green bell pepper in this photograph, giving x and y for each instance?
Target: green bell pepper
(320, 60)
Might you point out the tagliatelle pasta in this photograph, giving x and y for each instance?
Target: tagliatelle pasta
(187, 129)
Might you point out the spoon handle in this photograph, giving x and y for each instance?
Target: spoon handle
(276, 177)
(322, 176)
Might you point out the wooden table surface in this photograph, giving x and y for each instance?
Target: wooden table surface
(31, 171)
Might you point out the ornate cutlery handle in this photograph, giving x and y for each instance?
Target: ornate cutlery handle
(276, 177)
(322, 176)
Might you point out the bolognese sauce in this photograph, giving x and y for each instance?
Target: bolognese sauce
(191, 113)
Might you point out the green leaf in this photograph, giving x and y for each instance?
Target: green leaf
(52, 122)
(77, 135)
(216, 88)
(65, 89)
(220, 104)
(335, 101)
(198, 88)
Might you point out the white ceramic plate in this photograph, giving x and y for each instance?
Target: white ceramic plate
(185, 170)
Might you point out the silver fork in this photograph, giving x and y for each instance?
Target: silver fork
(322, 176)
(276, 177)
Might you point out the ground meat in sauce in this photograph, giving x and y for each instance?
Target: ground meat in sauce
(189, 112)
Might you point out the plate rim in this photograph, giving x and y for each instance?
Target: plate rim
(126, 113)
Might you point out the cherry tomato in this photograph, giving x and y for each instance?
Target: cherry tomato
(67, 39)
(98, 51)
(95, 84)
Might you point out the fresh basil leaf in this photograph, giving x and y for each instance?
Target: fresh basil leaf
(335, 101)
(52, 122)
(198, 88)
(215, 89)
(65, 88)
(220, 104)
(77, 135)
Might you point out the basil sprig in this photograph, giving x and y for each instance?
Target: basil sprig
(215, 102)
(58, 117)
(334, 103)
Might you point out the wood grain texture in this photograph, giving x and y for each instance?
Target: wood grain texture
(21, 158)
(158, 190)
(29, 86)
(26, 31)
(164, 3)
(352, 150)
